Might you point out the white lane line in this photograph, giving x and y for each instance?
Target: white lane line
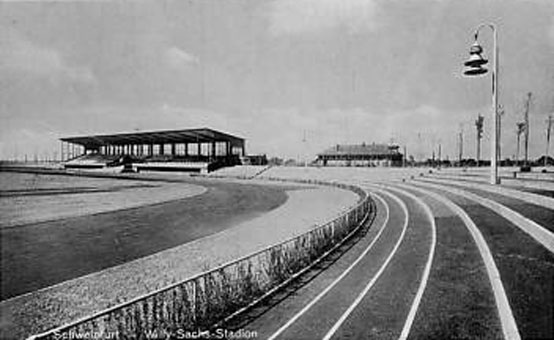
(507, 320)
(543, 201)
(535, 230)
(370, 284)
(425, 278)
(338, 279)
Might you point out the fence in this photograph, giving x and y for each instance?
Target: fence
(202, 301)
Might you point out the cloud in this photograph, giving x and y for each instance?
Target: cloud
(177, 58)
(21, 55)
(309, 16)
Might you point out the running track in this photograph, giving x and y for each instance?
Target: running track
(441, 260)
(38, 255)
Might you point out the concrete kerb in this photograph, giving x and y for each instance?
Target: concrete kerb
(536, 231)
(365, 204)
(507, 320)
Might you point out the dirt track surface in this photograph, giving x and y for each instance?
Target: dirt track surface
(27, 198)
(42, 254)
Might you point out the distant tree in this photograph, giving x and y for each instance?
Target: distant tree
(540, 161)
(275, 161)
(290, 162)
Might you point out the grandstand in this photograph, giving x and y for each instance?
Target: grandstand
(367, 155)
(192, 150)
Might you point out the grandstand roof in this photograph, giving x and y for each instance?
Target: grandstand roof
(202, 135)
(359, 149)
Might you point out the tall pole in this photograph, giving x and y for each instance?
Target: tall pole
(476, 70)
(479, 127)
(494, 137)
(440, 155)
(305, 149)
(527, 104)
(461, 146)
(500, 114)
(548, 129)
(520, 127)
(517, 149)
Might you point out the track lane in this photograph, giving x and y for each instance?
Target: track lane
(525, 266)
(533, 206)
(287, 320)
(540, 233)
(458, 302)
(382, 311)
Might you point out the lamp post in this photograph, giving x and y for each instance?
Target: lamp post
(474, 64)
(519, 131)
(479, 126)
(500, 114)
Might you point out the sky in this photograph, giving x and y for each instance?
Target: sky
(293, 77)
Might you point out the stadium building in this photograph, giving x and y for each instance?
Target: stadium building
(361, 155)
(195, 150)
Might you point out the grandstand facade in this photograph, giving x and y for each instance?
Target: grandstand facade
(196, 150)
(361, 155)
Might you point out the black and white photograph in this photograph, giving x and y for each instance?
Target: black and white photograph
(276, 169)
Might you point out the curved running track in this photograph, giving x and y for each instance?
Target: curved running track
(38, 255)
(442, 260)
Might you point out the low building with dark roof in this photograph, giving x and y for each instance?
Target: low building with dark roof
(361, 155)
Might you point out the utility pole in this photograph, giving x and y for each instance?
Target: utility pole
(499, 144)
(548, 129)
(479, 127)
(519, 131)
(440, 157)
(305, 151)
(526, 117)
(405, 156)
(460, 144)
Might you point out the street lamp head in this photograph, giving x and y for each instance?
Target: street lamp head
(476, 61)
(475, 48)
(475, 71)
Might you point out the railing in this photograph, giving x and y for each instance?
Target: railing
(206, 299)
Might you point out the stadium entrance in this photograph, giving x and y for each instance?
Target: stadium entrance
(196, 150)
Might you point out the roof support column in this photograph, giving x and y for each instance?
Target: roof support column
(213, 150)
(173, 149)
(186, 149)
(61, 151)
